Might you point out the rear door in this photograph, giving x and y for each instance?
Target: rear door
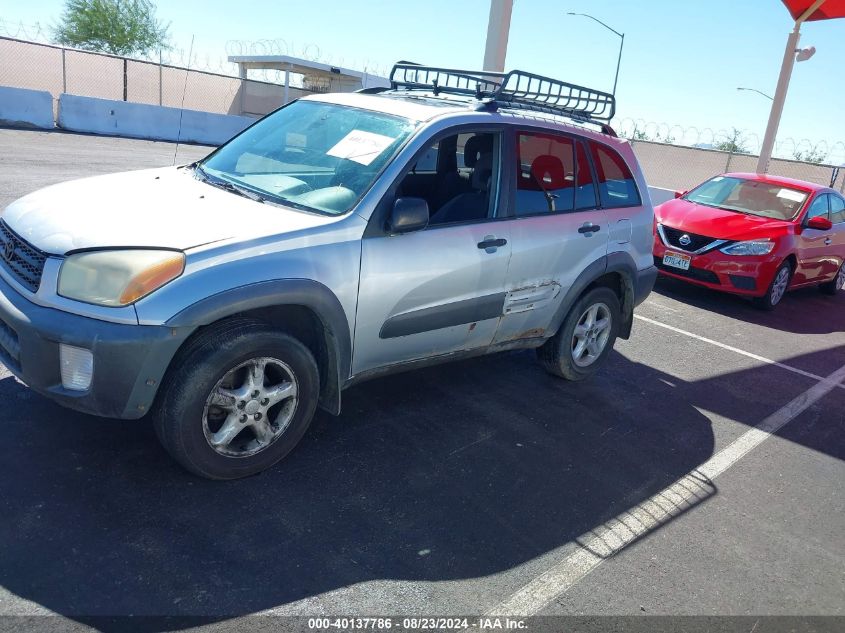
(557, 229)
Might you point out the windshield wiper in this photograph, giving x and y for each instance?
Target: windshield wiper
(229, 186)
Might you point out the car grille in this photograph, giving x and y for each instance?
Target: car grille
(673, 237)
(699, 274)
(21, 259)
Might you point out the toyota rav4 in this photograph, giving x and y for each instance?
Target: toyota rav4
(342, 237)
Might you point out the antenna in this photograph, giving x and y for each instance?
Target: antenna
(182, 107)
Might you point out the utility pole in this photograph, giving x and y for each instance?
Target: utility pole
(498, 27)
(789, 58)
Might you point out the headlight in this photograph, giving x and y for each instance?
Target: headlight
(752, 247)
(118, 278)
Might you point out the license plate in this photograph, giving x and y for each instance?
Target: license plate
(676, 260)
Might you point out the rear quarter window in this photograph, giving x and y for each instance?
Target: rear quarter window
(617, 187)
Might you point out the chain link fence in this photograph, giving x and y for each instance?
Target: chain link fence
(60, 70)
(681, 168)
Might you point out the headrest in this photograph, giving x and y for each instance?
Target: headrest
(548, 170)
(476, 146)
(482, 172)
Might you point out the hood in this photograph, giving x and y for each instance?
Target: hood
(716, 223)
(165, 208)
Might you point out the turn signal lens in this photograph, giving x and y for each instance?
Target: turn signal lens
(153, 278)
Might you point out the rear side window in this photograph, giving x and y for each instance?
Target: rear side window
(837, 209)
(616, 184)
(552, 175)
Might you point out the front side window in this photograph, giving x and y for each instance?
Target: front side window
(316, 156)
(616, 183)
(819, 208)
(462, 188)
(752, 197)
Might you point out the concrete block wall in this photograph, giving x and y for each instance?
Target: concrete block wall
(138, 120)
(22, 107)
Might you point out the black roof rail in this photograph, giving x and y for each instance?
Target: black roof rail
(515, 89)
(374, 90)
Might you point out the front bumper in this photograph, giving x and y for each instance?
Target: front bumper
(129, 360)
(747, 275)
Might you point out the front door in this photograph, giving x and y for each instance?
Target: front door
(815, 263)
(441, 289)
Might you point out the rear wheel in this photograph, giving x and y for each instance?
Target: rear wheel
(777, 289)
(837, 285)
(237, 400)
(585, 338)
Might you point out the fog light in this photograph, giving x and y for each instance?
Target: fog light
(77, 366)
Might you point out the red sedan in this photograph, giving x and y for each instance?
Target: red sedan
(753, 235)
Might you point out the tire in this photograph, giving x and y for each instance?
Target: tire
(835, 286)
(558, 354)
(777, 289)
(253, 420)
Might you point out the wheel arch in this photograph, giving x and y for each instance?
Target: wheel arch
(305, 309)
(616, 271)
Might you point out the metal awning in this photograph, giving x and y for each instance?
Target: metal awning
(828, 10)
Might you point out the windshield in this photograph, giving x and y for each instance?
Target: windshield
(749, 196)
(310, 155)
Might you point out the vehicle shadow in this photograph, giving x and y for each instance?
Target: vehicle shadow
(790, 316)
(452, 472)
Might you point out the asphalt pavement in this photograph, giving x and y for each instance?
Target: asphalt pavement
(699, 473)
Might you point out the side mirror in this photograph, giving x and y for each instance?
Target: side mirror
(819, 223)
(409, 214)
(680, 194)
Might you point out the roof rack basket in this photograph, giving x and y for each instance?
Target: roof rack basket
(515, 89)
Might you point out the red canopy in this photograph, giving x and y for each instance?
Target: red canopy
(830, 9)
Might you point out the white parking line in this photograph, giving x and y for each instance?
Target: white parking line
(612, 537)
(762, 359)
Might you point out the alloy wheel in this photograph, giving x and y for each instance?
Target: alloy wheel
(779, 285)
(250, 407)
(591, 334)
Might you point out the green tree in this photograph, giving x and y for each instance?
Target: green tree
(734, 142)
(813, 155)
(119, 27)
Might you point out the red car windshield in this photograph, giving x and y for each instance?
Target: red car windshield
(752, 197)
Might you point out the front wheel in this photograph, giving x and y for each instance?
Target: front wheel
(585, 338)
(237, 400)
(777, 289)
(837, 285)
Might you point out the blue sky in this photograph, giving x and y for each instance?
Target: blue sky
(682, 60)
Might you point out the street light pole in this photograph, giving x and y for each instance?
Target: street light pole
(621, 43)
(758, 92)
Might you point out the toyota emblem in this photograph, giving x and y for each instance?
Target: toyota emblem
(685, 240)
(8, 251)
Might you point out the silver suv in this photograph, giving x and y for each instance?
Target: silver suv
(342, 237)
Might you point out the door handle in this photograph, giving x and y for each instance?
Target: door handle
(491, 242)
(589, 228)
(827, 241)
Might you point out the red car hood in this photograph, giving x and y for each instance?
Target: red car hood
(717, 223)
